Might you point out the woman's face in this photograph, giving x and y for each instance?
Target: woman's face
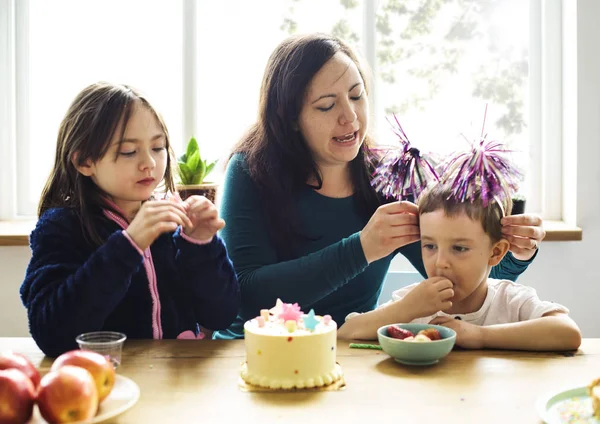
(334, 114)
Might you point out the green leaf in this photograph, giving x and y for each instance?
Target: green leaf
(209, 167)
(199, 174)
(185, 173)
(194, 162)
(192, 147)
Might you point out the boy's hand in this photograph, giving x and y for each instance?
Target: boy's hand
(429, 296)
(205, 221)
(468, 336)
(154, 218)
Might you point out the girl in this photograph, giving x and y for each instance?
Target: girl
(104, 257)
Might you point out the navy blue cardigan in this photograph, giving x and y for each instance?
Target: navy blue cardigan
(72, 287)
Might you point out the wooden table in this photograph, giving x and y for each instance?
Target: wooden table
(189, 381)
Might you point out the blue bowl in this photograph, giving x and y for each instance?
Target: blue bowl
(417, 353)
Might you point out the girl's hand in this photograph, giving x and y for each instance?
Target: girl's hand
(392, 226)
(428, 297)
(524, 233)
(468, 336)
(154, 218)
(205, 221)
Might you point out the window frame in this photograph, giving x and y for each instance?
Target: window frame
(545, 114)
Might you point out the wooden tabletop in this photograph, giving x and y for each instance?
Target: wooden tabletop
(185, 381)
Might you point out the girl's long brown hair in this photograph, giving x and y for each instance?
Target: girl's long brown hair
(85, 134)
(278, 157)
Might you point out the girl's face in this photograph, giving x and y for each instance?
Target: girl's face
(140, 163)
(334, 116)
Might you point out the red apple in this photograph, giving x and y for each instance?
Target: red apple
(17, 396)
(68, 394)
(15, 360)
(100, 367)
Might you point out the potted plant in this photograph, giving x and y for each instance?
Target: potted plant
(518, 207)
(192, 170)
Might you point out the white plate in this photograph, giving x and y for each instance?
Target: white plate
(124, 395)
(567, 406)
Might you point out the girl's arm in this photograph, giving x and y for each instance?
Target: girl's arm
(553, 331)
(68, 291)
(263, 277)
(208, 273)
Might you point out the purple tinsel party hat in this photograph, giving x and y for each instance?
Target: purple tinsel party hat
(403, 171)
(483, 172)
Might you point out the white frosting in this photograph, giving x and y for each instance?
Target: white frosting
(279, 359)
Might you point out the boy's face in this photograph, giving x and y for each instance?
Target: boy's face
(458, 249)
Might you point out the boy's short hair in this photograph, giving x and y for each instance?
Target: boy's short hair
(440, 196)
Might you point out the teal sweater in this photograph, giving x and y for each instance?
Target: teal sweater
(330, 273)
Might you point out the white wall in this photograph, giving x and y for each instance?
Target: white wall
(563, 272)
(13, 317)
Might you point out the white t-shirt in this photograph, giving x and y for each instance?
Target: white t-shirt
(504, 303)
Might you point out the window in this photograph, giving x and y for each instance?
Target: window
(436, 64)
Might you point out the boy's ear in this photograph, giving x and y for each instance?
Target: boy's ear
(86, 168)
(499, 249)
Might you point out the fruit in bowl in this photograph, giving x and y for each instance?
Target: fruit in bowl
(17, 396)
(426, 335)
(10, 360)
(399, 333)
(101, 369)
(430, 333)
(425, 347)
(68, 394)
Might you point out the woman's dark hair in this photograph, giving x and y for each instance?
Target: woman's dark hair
(84, 135)
(279, 160)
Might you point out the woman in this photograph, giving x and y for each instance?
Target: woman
(303, 222)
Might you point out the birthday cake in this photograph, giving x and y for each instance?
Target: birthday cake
(287, 349)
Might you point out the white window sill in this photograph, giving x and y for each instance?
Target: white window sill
(16, 233)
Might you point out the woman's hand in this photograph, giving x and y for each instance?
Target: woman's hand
(205, 221)
(392, 226)
(524, 233)
(154, 218)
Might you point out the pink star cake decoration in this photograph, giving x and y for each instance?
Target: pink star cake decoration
(290, 312)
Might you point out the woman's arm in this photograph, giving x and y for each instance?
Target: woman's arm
(263, 278)
(510, 268)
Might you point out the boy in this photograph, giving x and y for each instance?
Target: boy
(461, 241)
